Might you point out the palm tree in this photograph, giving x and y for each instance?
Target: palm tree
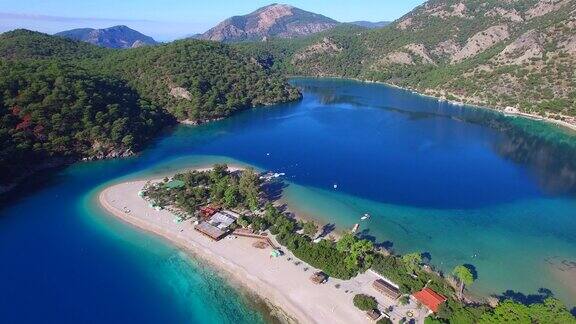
(412, 261)
(464, 276)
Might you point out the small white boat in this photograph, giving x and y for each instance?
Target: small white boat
(355, 228)
(272, 175)
(365, 217)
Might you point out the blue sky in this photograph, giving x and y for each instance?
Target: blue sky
(170, 19)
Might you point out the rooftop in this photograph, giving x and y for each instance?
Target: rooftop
(430, 298)
(175, 184)
(211, 231)
(218, 225)
(386, 288)
(221, 220)
(373, 314)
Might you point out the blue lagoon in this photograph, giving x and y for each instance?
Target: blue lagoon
(466, 185)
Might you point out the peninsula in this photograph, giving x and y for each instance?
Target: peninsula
(282, 281)
(225, 217)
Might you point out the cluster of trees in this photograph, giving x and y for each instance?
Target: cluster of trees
(229, 189)
(364, 302)
(50, 110)
(550, 310)
(342, 259)
(407, 272)
(64, 98)
(214, 79)
(195, 192)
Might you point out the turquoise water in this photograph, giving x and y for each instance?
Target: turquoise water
(510, 245)
(466, 185)
(65, 261)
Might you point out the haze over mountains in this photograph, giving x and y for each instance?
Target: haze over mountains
(272, 21)
(112, 37)
(370, 24)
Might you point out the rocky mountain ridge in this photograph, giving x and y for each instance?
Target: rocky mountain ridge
(112, 37)
(276, 20)
(514, 55)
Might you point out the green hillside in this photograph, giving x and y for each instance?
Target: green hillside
(62, 100)
(49, 110)
(25, 44)
(197, 80)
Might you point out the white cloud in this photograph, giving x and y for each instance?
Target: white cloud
(48, 18)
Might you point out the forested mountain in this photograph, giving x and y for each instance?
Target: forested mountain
(276, 20)
(61, 100)
(112, 37)
(50, 110)
(518, 53)
(25, 44)
(198, 80)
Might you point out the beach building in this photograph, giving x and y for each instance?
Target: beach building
(230, 213)
(174, 184)
(373, 314)
(386, 288)
(218, 225)
(319, 277)
(208, 211)
(429, 298)
(276, 253)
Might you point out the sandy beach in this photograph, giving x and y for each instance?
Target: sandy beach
(565, 272)
(279, 281)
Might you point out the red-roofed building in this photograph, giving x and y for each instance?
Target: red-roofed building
(208, 211)
(430, 298)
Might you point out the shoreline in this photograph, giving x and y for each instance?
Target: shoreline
(521, 114)
(283, 283)
(232, 276)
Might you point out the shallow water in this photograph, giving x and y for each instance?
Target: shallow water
(466, 185)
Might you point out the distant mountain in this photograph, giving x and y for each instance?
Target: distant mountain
(276, 20)
(113, 37)
(370, 24)
(26, 44)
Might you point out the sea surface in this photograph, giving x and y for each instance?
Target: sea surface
(464, 185)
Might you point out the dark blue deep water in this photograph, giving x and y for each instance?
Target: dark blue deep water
(466, 185)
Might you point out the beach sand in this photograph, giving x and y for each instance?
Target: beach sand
(277, 280)
(565, 272)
